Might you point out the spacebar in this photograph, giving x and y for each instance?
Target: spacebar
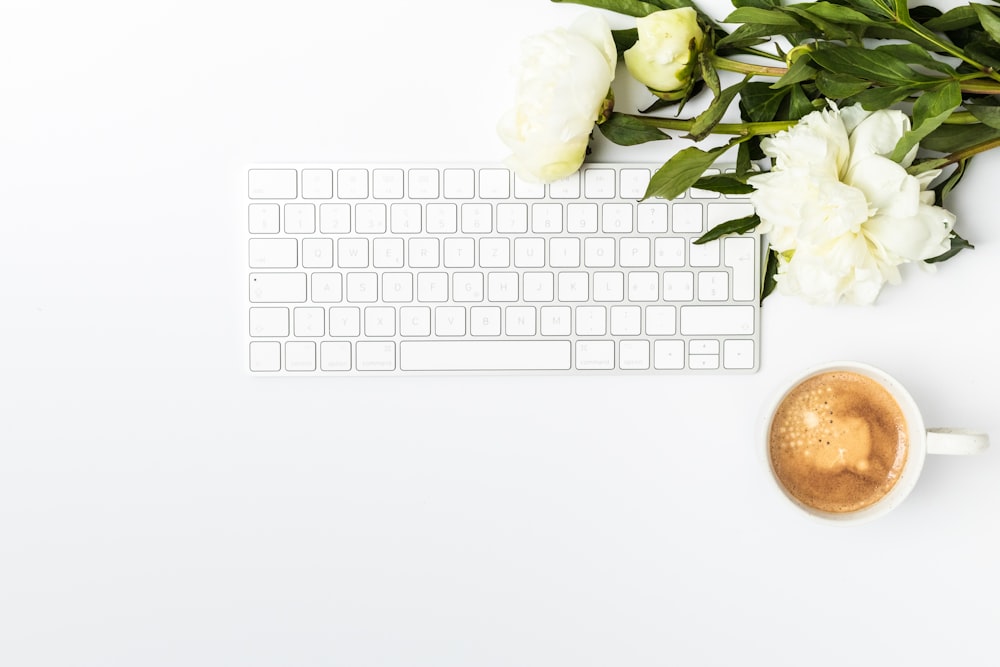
(485, 355)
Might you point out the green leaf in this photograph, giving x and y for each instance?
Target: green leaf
(915, 55)
(985, 114)
(626, 130)
(988, 20)
(708, 72)
(760, 102)
(943, 189)
(867, 64)
(750, 34)
(954, 19)
(882, 8)
(727, 184)
(958, 244)
(799, 103)
(838, 86)
(744, 163)
(838, 13)
(672, 4)
(756, 15)
(799, 71)
(628, 7)
(768, 282)
(829, 29)
(762, 4)
(951, 138)
(874, 99)
(929, 111)
(710, 117)
(737, 226)
(625, 39)
(682, 170)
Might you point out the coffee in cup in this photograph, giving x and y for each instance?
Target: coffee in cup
(838, 441)
(845, 441)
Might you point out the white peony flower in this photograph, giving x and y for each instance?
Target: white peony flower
(662, 57)
(564, 79)
(842, 215)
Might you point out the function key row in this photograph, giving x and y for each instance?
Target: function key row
(388, 183)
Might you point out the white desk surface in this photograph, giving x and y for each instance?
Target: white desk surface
(158, 506)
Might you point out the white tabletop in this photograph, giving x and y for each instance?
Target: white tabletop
(158, 506)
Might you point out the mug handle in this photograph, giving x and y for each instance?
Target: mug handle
(956, 441)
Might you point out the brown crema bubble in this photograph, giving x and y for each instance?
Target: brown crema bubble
(838, 441)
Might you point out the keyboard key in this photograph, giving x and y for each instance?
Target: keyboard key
(652, 218)
(300, 356)
(633, 355)
(415, 321)
(273, 184)
(477, 218)
(494, 183)
(376, 356)
(265, 322)
(265, 356)
(335, 218)
(345, 321)
(387, 184)
(626, 320)
(459, 183)
(380, 321)
(274, 253)
(484, 355)
(566, 188)
(264, 218)
(739, 253)
(599, 183)
(317, 253)
(317, 183)
(546, 218)
(633, 183)
(423, 183)
(352, 183)
(335, 356)
(309, 321)
(300, 219)
(717, 320)
(327, 287)
(687, 218)
(512, 218)
(738, 354)
(595, 354)
(369, 219)
(616, 218)
(449, 321)
(668, 354)
(277, 287)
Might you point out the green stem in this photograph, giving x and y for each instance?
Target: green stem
(945, 46)
(971, 83)
(961, 118)
(966, 153)
(730, 65)
(739, 129)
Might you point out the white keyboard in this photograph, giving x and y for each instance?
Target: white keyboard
(420, 269)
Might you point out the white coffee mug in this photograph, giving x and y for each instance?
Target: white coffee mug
(921, 441)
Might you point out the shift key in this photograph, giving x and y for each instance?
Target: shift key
(277, 287)
(717, 320)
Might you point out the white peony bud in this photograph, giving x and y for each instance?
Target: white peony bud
(663, 57)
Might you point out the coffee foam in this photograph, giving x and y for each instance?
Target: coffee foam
(838, 441)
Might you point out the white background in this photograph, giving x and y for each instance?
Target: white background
(158, 506)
